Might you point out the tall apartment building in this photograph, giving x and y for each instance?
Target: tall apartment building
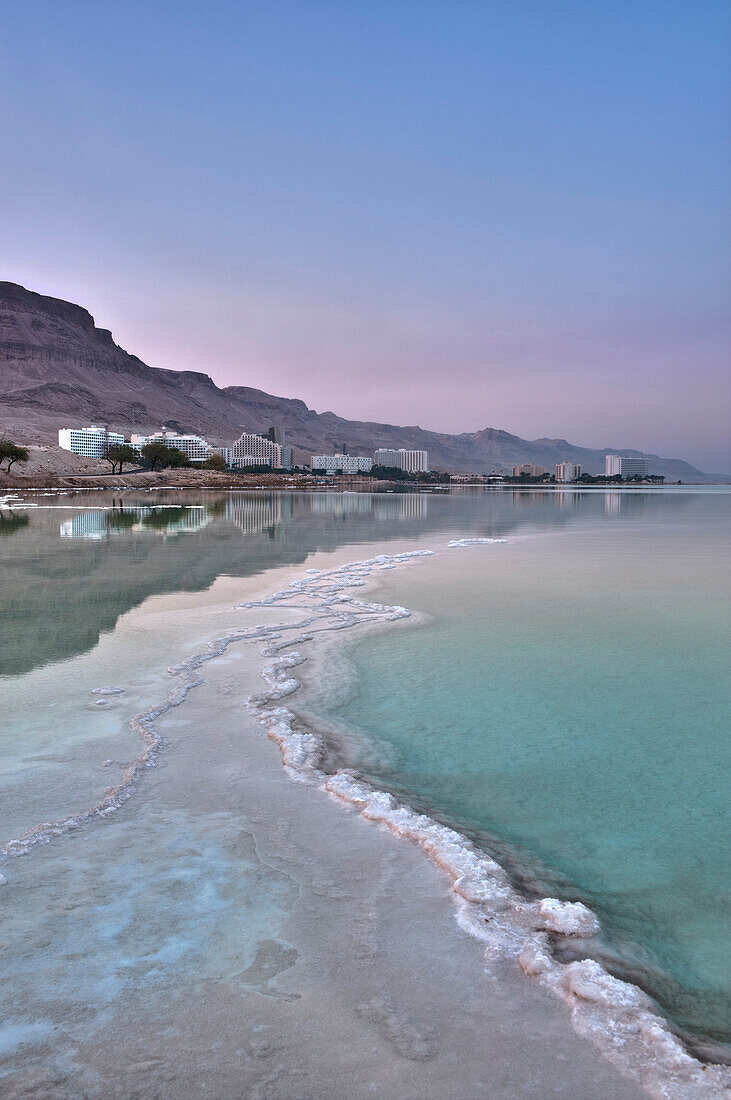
(412, 462)
(619, 465)
(91, 442)
(196, 448)
(341, 464)
(255, 450)
(567, 471)
(530, 469)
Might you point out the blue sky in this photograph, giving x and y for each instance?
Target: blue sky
(455, 214)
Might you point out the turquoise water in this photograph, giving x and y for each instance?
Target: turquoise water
(564, 700)
(567, 704)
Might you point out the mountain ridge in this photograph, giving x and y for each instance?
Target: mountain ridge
(57, 367)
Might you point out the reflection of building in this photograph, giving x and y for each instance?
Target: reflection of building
(412, 462)
(254, 513)
(341, 464)
(612, 504)
(622, 466)
(529, 469)
(341, 504)
(567, 471)
(91, 442)
(87, 525)
(255, 450)
(193, 446)
(566, 500)
(400, 506)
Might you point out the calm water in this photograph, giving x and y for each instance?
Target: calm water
(565, 701)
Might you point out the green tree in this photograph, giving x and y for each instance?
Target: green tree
(159, 454)
(215, 462)
(176, 458)
(119, 453)
(11, 452)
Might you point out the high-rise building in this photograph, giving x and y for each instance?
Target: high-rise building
(529, 469)
(567, 471)
(412, 462)
(193, 446)
(622, 466)
(254, 450)
(91, 442)
(341, 464)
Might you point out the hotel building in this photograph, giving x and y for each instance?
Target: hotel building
(341, 464)
(255, 450)
(91, 442)
(530, 469)
(619, 465)
(567, 471)
(412, 462)
(196, 448)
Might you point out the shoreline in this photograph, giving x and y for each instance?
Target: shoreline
(610, 1013)
(613, 1014)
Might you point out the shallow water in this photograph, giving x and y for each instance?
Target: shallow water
(567, 702)
(586, 655)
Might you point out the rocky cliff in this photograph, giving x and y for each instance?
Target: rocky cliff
(58, 369)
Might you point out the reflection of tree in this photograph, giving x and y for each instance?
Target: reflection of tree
(164, 517)
(122, 518)
(10, 523)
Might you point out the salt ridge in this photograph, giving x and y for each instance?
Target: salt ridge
(615, 1015)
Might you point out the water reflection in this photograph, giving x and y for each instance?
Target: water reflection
(77, 562)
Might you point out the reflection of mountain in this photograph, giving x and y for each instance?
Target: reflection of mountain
(59, 593)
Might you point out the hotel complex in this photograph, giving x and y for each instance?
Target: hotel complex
(255, 450)
(568, 471)
(91, 442)
(269, 449)
(619, 465)
(196, 449)
(341, 464)
(411, 462)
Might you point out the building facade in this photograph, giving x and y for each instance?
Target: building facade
(529, 469)
(412, 462)
(341, 464)
(567, 471)
(91, 442)
(196, 448)
(621, 466)
(255, 450)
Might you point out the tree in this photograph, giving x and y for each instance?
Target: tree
(176, 458)
(119, 453)
(215, 462)
(159, 454)
(12, 453)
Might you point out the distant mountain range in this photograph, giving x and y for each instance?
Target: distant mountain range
(57, 369)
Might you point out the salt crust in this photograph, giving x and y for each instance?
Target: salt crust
(471, 542)
(615, 1015)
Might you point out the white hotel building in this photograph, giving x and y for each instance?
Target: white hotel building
(254, 450)
(193, 446)
(412, 462)
(91, 442)
(567, 471)
(341, 464)
(619, 465)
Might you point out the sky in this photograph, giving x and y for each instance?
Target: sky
(459, 214)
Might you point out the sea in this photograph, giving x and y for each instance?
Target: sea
(558, 692)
